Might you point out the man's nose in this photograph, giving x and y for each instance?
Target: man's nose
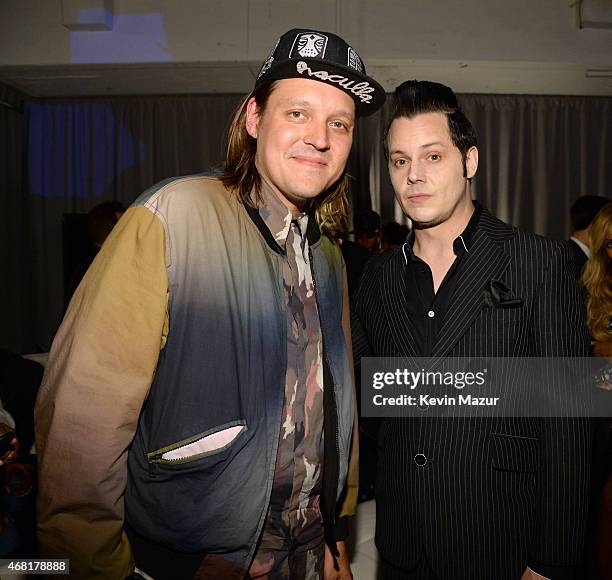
(317, 135)
(416, 172)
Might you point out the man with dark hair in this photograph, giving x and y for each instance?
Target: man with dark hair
(196, 415)
(101, 219)
(366, 227)
(394, 235)
(465, 498)
(582, 213)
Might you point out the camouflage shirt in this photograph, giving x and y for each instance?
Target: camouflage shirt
(294, 518)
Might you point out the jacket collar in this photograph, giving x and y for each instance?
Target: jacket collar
(278, 217)
(461, 244)
(313, 233)
(485, 260)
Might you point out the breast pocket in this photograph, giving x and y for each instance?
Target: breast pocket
(209, 443)
(501, 331)
(513, 453)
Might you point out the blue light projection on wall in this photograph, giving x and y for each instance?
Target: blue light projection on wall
(135, 38)
(77, 149)
(98, 15)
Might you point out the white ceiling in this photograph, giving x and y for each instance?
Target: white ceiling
(196, 46)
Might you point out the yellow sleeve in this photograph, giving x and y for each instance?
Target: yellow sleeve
(100, 369)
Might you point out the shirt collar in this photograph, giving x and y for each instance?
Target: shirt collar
(582, 246)
(461, 244)
(277, 217)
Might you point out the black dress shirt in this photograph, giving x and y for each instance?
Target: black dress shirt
(426, 308)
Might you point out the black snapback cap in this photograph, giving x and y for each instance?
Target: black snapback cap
(324, 57)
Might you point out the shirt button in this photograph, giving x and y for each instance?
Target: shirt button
(420, 459)
(431, 314)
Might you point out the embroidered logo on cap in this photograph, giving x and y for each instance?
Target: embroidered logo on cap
(361, 89)
(309, 45)
(266, 65)
(354, 61)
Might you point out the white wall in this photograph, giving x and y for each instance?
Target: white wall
(530, 46)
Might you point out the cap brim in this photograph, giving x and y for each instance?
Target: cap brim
(368, 95)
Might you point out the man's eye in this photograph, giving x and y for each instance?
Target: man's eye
(399, 162)
(338, 125)
(434, 157)
(296, 114)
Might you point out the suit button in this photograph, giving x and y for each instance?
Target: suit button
(420, 459)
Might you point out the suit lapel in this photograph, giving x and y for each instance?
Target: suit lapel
(485, 261)
(393, 295)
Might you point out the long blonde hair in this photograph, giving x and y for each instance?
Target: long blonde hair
(597, 276)
(242, 178)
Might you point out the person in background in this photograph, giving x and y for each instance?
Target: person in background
(366, 227)
(19, 382)
(10, 539)
(10, 446)
(597, 281)
(101, 220)
(17, 517)
(582, 213)
(197, 411)
(393, 235)
(355, 258)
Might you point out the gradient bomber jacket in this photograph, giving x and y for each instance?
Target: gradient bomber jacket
(174, 346)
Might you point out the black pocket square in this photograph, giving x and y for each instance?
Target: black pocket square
(498, 295)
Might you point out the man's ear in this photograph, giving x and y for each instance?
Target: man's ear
(252, 118)
(471, 162)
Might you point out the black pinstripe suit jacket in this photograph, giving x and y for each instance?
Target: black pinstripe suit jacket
(580, 258)
(496, 494)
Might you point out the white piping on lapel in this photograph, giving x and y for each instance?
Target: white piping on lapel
(404, 252)
(464, 246)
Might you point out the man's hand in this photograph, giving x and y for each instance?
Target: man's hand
(344, 571)
(529, 574)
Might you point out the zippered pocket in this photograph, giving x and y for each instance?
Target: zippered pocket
(199, 446)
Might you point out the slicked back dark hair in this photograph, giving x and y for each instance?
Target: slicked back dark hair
(412, 98)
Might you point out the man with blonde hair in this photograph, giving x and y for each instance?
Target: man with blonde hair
(196, 417)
